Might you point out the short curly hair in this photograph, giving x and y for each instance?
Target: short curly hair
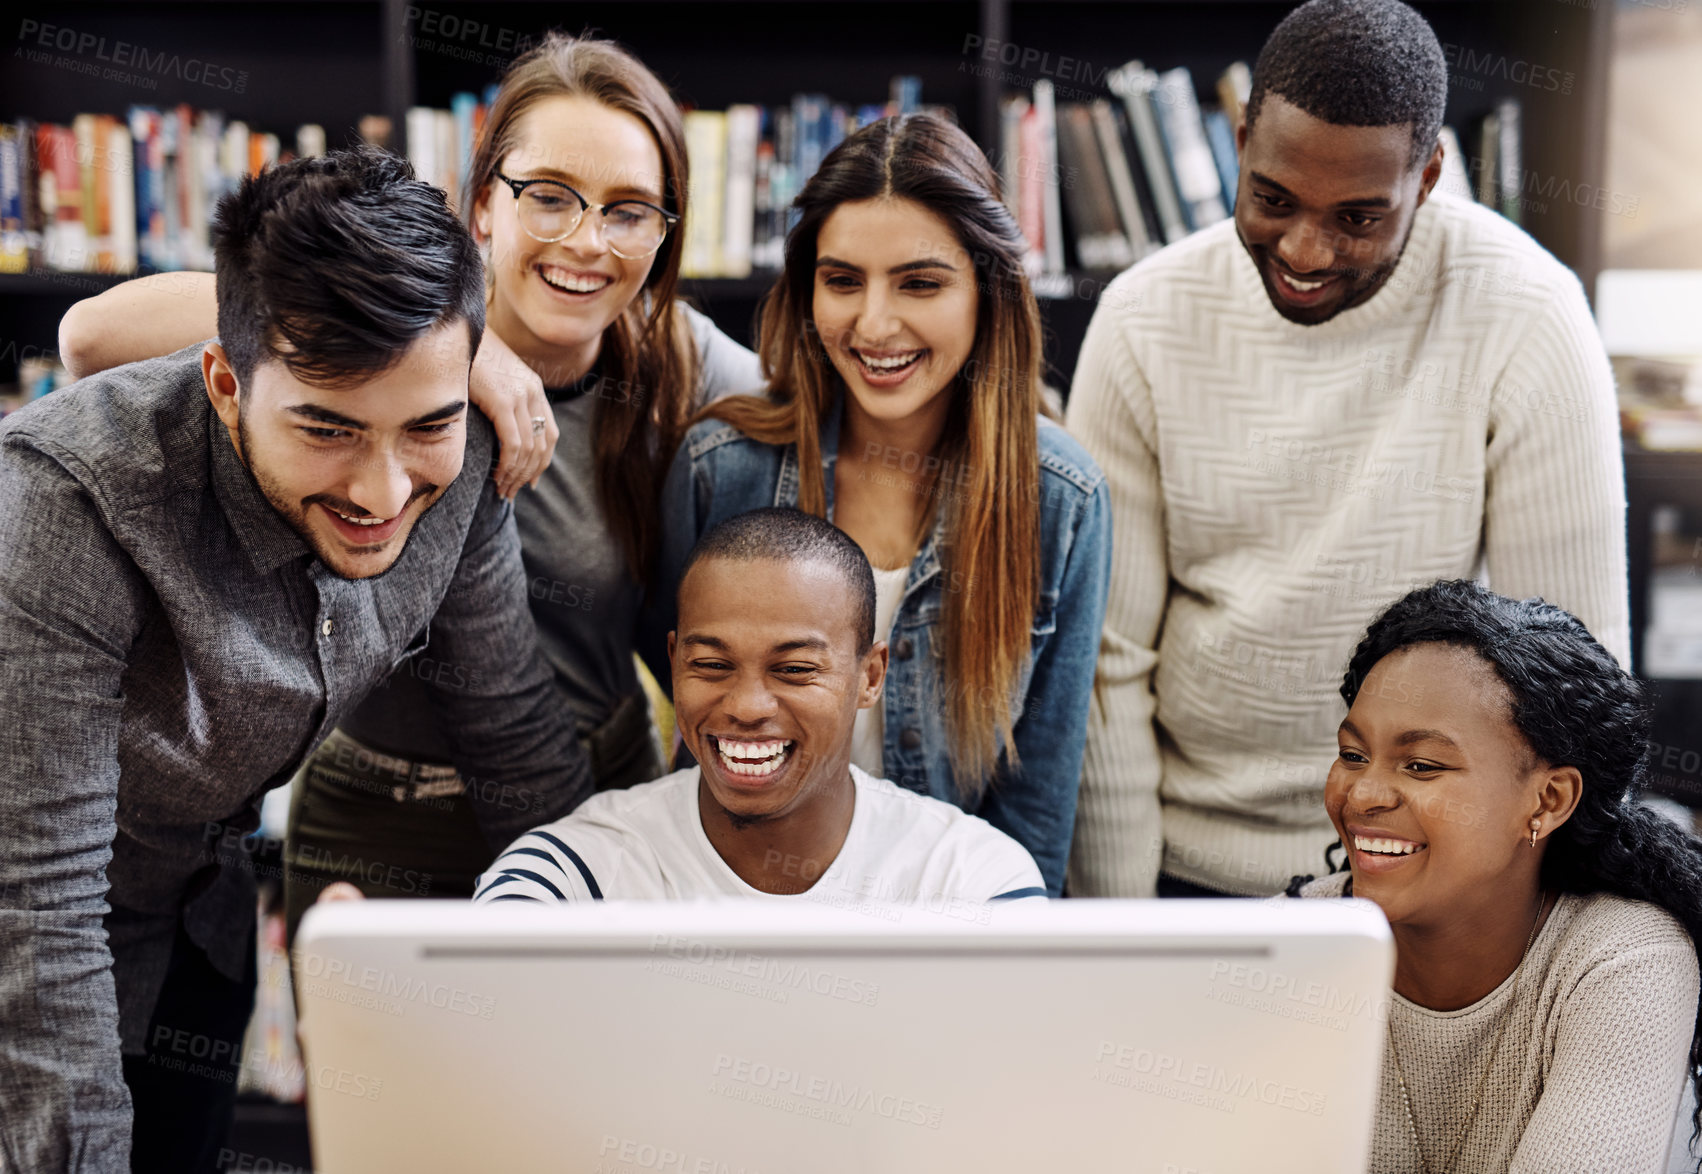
(1357, 63)
(1574, 706)
(784, 534)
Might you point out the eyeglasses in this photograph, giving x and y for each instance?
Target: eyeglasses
(550, 211)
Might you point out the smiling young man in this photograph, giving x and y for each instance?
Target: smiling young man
(773, 656)
(1354, 386)
(205, 561)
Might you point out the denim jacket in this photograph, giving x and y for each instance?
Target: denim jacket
(720, 472)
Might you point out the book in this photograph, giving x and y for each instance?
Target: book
(464, 126)
(150, 187)
(1453, 180)
(1032, 190)
(1008, 161)
(1122, 179)
(419, 127)
(904, 95)
(121, 197)
(762, 201)
(14, 166)
(1088, 195)
(1220, 133)
(1487, 167)
(93, 180)
(1052, 213)
(1143, 189)
(1234, 86)
(744, 129)
(1134, 83)
(811, 116)
(1191, 162)
(786, 183)
(706, 149)
(65, 236)
(1509, 173)
(126, 193)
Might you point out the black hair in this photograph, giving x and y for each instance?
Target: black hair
(789, 535)
(334, 265)
(1576, 707)
(1357, 63)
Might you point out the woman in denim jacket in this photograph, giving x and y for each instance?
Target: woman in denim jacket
(902, 348)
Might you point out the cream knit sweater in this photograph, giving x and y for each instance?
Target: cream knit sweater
(1275, 486)
(1590, 1072)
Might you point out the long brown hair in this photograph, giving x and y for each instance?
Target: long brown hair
(991, 549)
(648, 352)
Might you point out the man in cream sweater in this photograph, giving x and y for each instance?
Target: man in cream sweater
(1355, 386)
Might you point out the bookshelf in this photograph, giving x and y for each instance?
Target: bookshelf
(332, 61)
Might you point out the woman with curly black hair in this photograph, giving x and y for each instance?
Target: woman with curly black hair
(1544, 1013)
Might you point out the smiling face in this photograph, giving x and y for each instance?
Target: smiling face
(767, 682)
(896, 305)
(552, 302)
(1433, 788)
(352, 469)
(1325, 210)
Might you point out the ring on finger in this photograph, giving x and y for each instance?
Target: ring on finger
(538, 423)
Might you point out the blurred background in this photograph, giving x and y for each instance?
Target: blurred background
(1111, 124)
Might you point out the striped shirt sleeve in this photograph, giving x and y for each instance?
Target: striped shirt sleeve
(541, 866)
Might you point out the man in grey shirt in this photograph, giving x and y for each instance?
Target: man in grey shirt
(206, 561)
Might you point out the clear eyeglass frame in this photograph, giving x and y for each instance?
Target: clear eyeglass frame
(519, 186)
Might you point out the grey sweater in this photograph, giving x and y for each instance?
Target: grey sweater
(1590, 1073)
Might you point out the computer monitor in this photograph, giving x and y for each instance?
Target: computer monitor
(1155, 1037)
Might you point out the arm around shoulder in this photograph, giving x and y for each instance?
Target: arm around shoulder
(139, 319)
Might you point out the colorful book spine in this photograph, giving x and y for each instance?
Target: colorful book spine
(14, 155)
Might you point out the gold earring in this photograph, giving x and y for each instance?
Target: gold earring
(1535, 824)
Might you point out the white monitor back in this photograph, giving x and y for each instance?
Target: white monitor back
(1154, 1037)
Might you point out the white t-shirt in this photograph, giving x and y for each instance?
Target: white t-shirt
(647, 843)
(868, 733)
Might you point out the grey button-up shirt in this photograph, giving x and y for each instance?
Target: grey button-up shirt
(170, 649)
